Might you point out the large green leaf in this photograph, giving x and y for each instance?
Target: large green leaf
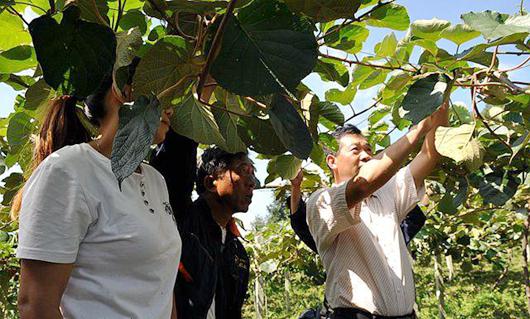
(343, 97)
(12, 32)
(260, 136)
(348, 38)
(228, 127)
(459, 33)
(137, 127)
(285, 166)
(166, 63)
(75, 54)
(387, 47)
(17, 59)
(128, 42)
(90, 9)
(494, 188)
(424, 97)
(195, 120)
(38, 95)
(392, 16)
(429, 29)
(478, 51)
(494, 25)
(330, 112)
(290, 127)
(332, 70)
(20, 128)
(325, 10)
(265, 49)
(458, 144)
(133, 19)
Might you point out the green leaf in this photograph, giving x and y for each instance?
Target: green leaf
(196, 121)
(519, 144)
(265, 49)
(343, 97)
(75, 54)
(494, 25)
(259, 135)
(458, 144)
(89, 12)
(325, 10)
(331, 112)
(290, 127)
(460, 113)
(392, 16)
(424, 97)
(493, 188)
(12, 31)
(478, 51)
(197, 6)
(285, 166)
(137, 127)
(20, 128)
(162, 66)
(378, 76)
(128, 42)
(387, 47)
(459, 33)
(228, 127)
(38, 95)
(17, 59)
(429, 29)
(133, 19)
(332, 70)
(348, 38)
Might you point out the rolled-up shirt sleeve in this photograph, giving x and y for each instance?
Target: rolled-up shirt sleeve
(406, 195)
(328, 215)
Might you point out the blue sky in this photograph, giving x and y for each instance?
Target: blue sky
(418, 9)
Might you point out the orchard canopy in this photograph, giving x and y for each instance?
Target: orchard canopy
(233, 70)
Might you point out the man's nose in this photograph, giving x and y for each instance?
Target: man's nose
(365, 156)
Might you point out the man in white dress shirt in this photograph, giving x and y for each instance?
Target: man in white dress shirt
(355, 222)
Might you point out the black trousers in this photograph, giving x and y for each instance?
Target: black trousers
(354, 313)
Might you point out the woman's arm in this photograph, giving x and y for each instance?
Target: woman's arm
(41, 288)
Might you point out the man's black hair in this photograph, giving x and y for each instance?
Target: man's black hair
(339, 132)
(215, 161)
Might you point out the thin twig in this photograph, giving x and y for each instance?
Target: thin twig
(493, 59)
(516, 67)
(52, 6)
(514, 53)
(479, 116)
(31, 5)
(163, 94)
(215, 44)
(13, 11)
(522, 83)
(363, 111)
(120, 13)
(350, 62)
(358, 19)
(164, 15)
(258, 103)
(96, 12)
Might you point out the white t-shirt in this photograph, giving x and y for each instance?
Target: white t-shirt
(124, 245)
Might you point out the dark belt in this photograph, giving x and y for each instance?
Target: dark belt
(354, 313)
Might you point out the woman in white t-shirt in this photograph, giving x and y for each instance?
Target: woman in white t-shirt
(87, 249)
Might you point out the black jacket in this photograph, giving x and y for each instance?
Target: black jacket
(410, 226)
(207, 267)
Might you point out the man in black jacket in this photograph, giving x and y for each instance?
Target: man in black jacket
(214, 268)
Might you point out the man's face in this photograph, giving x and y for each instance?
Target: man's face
(236, 185)
(353, 152)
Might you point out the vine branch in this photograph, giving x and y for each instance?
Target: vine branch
(215, 44)
(31, 5)
(164, 15)
(350, 62)
(358, 19)
(516, 67)
(13, 11)
(479, 116)
(52, 6)
(96, 12)
(363, 111)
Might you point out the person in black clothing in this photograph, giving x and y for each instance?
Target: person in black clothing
(214, 268)
(410, 226)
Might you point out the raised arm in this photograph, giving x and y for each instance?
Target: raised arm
(427, 159)
(376, 172)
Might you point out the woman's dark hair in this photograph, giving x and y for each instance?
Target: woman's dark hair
(62, 126)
